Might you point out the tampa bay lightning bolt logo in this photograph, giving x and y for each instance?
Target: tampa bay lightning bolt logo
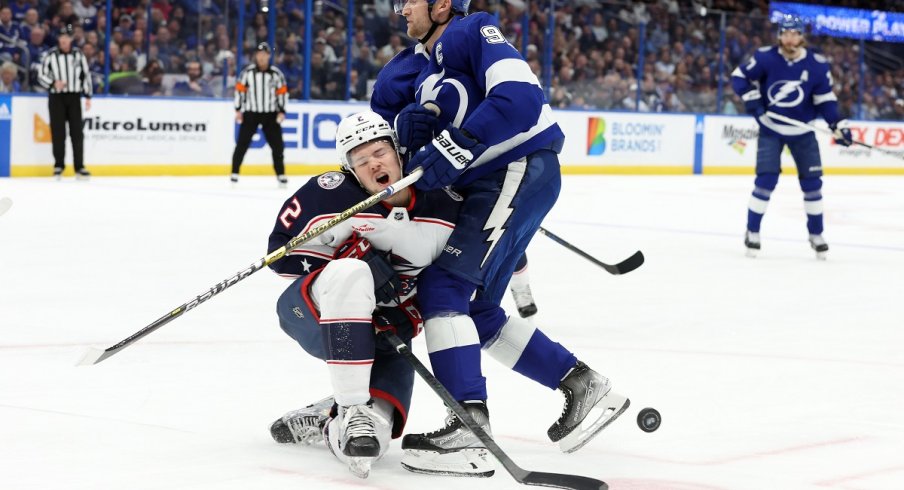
(434, 84)
(439, 53)
(787, 93)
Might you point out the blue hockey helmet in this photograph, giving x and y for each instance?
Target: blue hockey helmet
(790, 22)
(459, 6)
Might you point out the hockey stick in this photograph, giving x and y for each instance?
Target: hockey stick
(5, 204)
(622, 267)
(522, 476)
(94, 355)
(801, 124)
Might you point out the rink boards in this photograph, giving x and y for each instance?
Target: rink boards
(154, 136)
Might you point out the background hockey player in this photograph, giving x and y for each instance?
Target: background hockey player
(394, 89)
(348, 283)
(496, 145)
(790, 80)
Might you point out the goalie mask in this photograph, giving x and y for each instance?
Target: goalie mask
(359, 129)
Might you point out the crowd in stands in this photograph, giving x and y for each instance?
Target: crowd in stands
(189, 48)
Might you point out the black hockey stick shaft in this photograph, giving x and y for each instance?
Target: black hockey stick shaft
(525, 477)
(96, 356)
(622, 267)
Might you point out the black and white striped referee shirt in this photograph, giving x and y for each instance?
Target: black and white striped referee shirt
(71, 67)
(261, 90)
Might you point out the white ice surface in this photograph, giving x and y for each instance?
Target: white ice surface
(779, 372)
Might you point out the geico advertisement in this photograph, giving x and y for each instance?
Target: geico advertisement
(731, 141)
(172, 132)
(624, 139)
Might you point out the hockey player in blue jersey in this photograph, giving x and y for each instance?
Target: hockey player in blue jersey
(790, 80)
(393, 91)
(357, 276)
(495, 143)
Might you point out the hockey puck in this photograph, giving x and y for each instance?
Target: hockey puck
(649, 419)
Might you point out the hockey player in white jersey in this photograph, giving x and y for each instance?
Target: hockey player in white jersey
(795, 82)
(357, 277)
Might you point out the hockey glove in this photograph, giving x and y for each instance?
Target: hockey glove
(415, 127)
(405, 321)
(445, 158)
(842, 132)
(386, 282)
(755, 107)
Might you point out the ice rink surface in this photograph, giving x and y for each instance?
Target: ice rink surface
(779, 372)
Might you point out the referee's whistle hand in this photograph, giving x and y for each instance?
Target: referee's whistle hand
(238, 116)
(280, 117)
(87, 105)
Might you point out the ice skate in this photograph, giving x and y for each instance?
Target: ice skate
(524, 300)
(752, 242)
(452, 450)
(590, 406)
(234, 179)
(82, 174)
(818, 243)
(303, 426)
(358, 437)
(57, 173)
(282, 181)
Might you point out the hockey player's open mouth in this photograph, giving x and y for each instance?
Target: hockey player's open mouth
(382, 178)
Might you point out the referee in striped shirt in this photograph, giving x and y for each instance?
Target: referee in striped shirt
(260, 100)
(65, 75)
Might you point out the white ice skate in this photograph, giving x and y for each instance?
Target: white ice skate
(590, 406)
(524, 300)
(303, 426)
(360, 435)
(752, 242)
(818, 243)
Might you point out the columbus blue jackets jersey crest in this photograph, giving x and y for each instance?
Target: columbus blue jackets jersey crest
(800, 89)
(413, 236)
(473, 63)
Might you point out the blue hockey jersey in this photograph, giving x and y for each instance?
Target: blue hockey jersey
(414, 236)
(800, 89)
(394, 88)
(483, 85)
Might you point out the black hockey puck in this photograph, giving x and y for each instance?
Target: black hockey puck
(649, 419)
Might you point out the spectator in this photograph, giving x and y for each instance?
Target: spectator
(28, 23)
(9, 34)
(196, 86)
(9, 78)
(85, 9)
(152, 76)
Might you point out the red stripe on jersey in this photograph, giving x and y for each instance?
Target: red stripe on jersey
(434, 222)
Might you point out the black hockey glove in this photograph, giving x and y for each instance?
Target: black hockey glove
(405, 321)
(386, 282)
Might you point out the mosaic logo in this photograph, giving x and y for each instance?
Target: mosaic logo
(737, 137)
(596, 141)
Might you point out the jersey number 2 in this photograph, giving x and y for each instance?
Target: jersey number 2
(292, 211)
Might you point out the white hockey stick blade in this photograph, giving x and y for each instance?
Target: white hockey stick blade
(5, 204)
(91, 357)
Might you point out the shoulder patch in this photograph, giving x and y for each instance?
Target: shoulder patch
(330, 180)
(820, 58)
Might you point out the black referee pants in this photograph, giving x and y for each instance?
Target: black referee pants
(66, 108)
(272, 133)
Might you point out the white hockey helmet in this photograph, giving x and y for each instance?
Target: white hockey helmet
(360, 128)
